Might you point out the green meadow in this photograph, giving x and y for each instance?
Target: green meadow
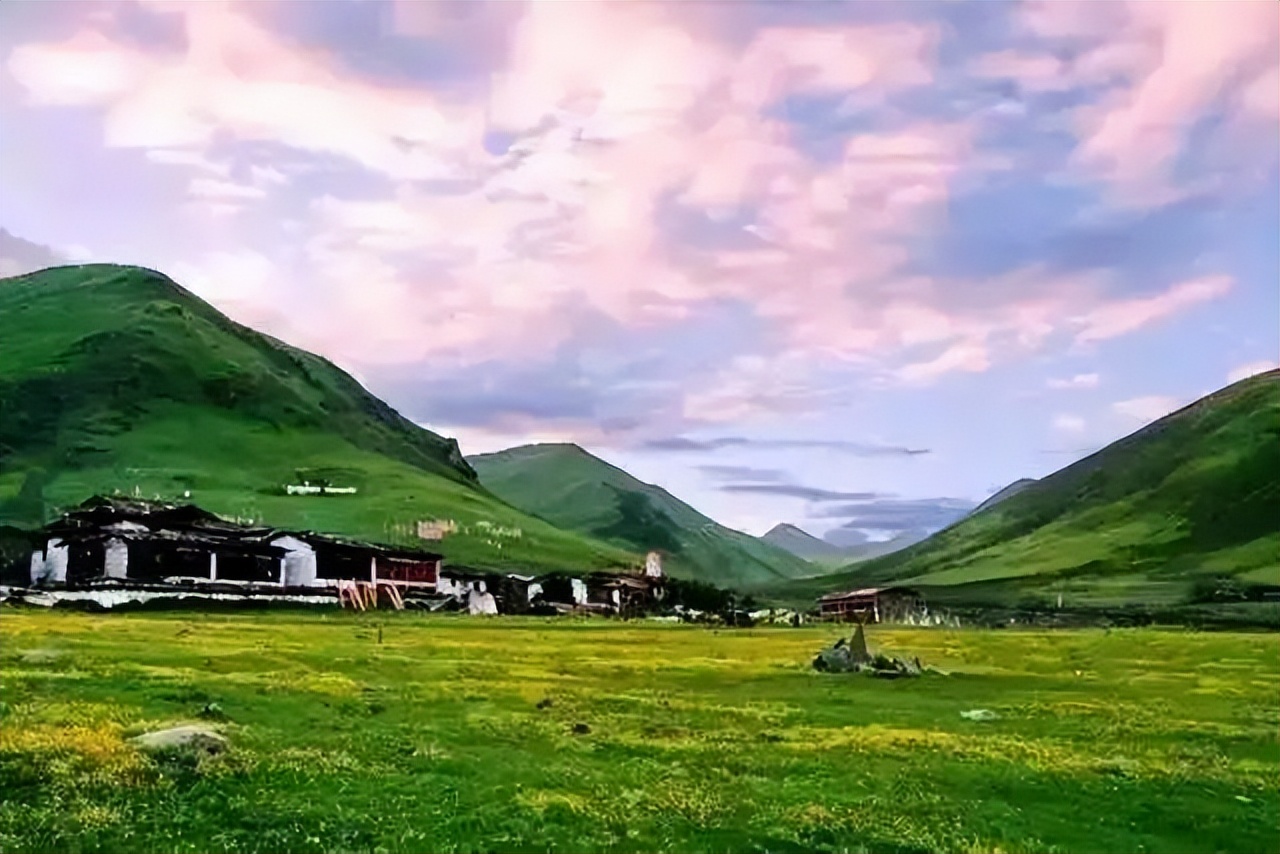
(401, 732)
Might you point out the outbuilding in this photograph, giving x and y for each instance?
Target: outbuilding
(872, 605)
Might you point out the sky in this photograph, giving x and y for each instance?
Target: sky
(832, 264)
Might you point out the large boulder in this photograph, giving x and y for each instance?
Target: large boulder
(190, 739)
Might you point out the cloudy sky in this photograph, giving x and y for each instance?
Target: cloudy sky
(807, 262)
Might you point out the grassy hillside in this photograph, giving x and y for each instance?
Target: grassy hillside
(1155, 518)
(115, 378)
(1008, 492)
(574, 490)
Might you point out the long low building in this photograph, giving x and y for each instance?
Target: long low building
(116, 541)
(872, 605)
(152, 542)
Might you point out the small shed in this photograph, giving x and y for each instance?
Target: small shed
(871, 605)
(623, 592)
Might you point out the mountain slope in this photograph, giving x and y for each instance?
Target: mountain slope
(115, 378)
(574, 490)
(1006, 493)
(1192, 496)
(804, 545)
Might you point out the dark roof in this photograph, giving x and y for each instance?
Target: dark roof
(192, 539)
(866, 592)
(135, 508)
(470, 573)
(345, 544)
(93, 518)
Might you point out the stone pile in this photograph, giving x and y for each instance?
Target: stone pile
(852, 656)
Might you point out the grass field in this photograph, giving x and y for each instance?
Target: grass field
(656, 738)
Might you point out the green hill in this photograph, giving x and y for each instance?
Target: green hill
(1006, 493)
(1157, 518)
(115, 378)
(574, 490)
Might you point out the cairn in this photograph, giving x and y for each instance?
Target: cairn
(852, 656)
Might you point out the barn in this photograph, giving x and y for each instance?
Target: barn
(872, 605)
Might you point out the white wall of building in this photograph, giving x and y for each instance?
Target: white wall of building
(50, 566)
(653, 565)
(479, 602)
(299, 563)
(115, 560)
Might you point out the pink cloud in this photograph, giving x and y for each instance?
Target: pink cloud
(1110, 320)
(752, 386)
(618, 109)
(1165, 66)
(1036, 72)
(237, 78)
(787, 60)
(969, 355)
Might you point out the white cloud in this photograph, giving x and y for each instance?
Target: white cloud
(1077, 381)
(1246, 371)
(1066, 423)
(209, 188)
(222, 277)
(1147, 408)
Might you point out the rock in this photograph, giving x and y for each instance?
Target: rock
(852, 656)
(545, 703)
(881, 673)
(834, 660)
(581, 729)
(979, 715)
(195, 739)
(858, 646)
(39, 656)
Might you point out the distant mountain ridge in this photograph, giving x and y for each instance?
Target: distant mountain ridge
(803, 544)
(571, 488)
(827, 553)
